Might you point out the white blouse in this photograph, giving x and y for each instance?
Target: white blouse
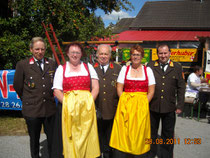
(58, 79)
(121, 77)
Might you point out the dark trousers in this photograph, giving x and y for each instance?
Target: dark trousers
(167, 132)
(120, 154)
(57, 144)
(104, 131)
(34, 126)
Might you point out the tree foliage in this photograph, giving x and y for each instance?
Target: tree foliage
(72, 20)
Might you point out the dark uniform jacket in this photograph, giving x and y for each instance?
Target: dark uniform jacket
(170, 86)
(107, 99)
(35, 87)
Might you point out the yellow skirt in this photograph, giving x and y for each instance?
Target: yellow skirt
(79, 126)
(131, 124)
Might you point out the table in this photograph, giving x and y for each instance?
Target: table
(204, 94)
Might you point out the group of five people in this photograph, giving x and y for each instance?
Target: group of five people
(121, 106)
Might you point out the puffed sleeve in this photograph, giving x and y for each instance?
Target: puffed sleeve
(93, 73)
(58, 79)
(151, 76)
(121, 77)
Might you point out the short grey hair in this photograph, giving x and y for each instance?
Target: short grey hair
(104, 45)
(36, 39)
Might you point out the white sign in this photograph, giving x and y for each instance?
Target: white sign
(208, 61)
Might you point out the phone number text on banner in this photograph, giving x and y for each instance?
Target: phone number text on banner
(9, 99)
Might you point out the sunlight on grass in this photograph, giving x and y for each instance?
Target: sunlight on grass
(12, 123)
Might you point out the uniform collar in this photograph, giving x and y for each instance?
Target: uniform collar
(170, 63)
(110, 65)
(32, 60)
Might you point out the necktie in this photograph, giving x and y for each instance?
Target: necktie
(102, 67)
(39, 63)
(163, 66)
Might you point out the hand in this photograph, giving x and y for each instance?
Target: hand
(178, 111)
(203, 84)
(204, 80)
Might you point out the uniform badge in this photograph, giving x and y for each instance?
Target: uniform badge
(46, 60)
(111, 65)
(31, 83)
(51, 74)
(114, 83)
(171, 64)
(31, 60)
(156, 63)
(96, 65)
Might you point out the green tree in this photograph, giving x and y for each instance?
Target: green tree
(72, 20)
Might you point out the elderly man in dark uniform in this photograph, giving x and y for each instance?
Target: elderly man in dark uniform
(33, 82)
(106, 102)
(168, 100)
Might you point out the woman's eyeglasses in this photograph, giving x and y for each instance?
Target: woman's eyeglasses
(136, 55)
(75, 52)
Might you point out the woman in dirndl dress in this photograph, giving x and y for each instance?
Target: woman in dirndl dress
(72, 84)
(131, 128)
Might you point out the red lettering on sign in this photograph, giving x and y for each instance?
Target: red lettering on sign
(3, 85)
(11, 89)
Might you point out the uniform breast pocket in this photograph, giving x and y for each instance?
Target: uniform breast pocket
(28, 102)
(30, 82)
(114, 80)
(173, 80)
(51, 75)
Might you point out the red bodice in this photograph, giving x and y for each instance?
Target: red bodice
(76, 82)
(136, 85)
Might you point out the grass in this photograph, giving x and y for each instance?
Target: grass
(12, 123)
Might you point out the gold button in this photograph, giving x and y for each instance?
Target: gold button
(104, 99)
(162, 90)
(164, 77)
(104, 92)
(163, 84)
(104, 79)
(104, 85)
(161, 97)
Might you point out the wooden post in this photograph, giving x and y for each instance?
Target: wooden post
(203, 58)
(117, 55)
(104, 42)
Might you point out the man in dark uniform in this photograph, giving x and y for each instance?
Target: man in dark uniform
(107, 100)
(168, 100)
(33, 82)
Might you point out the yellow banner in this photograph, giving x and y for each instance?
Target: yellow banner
(179, 55)
(154, 54)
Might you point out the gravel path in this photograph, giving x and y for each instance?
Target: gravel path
(187, 128)
(18, 146)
